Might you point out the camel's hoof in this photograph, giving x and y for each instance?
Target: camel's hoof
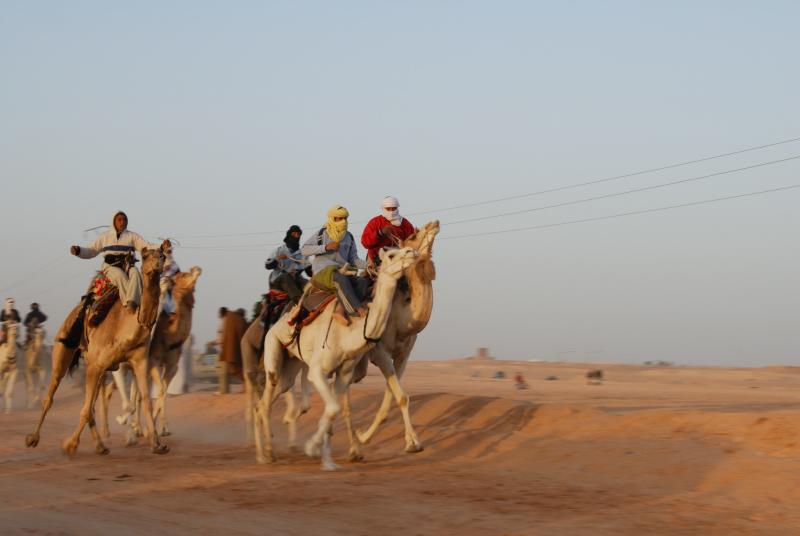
(313, 450)
(362, 438)
(269, 456)
(164, 433)
(330, 466)
(411, 448)
(131, 440)
(161, 449)
(121, 420)
(8, 412)
(31, 440)
(68, 448)
(294, 449)
(356, 456)
(101, 449)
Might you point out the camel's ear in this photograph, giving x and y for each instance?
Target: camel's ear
(381, 254)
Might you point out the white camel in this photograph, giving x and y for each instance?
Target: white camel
(9, 362)
(326, 348)
(34, 371)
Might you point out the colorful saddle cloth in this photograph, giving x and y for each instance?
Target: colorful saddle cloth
(105, 295)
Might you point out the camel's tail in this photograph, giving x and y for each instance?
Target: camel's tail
(75, 362)
(73, 337)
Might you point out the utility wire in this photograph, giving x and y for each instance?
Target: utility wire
(536, 193)
(622, 215)
(41, 271)
(232, 247)
(608, 179)
(622, 193)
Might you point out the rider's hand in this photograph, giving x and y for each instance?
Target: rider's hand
(282, 256)
(165, 245)
(333, 246)
(75, 250)
(386, 231)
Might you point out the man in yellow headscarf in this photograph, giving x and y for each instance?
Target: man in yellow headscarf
(333, 247)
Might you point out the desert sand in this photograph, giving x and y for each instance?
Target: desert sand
(653, 450)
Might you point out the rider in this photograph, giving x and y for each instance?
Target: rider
(288, 264)
(9, 314)
(170, 269)
(116, 244)
(35, 317)
(386, 230)
(332, 248)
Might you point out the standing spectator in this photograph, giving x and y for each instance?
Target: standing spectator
(230, 349)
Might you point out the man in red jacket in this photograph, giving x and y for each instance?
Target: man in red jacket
(386, 230)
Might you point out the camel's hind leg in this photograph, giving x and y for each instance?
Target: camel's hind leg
(62, 357)
(139, 365)
(70, 444)
(31, 385)
(347, 413)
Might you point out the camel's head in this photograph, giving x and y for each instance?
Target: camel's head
(183, 282)
(153, 261)
(422, 240)
(11, 329)
(395, 262)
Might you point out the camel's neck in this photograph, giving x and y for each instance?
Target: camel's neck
(381, 306)
(179, 330)
(413, 315)
(151, 293)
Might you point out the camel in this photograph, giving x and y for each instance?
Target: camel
(165, 351)
(122, 337)
(253, 380)
(407, 319)
(9, 362)
(325, 348)
(34, 371)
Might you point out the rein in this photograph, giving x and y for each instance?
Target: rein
(366, 320)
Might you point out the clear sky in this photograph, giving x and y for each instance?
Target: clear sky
(214, 118)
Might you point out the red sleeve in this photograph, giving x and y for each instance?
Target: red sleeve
(371, 238)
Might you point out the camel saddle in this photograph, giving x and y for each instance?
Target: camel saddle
(103, 296)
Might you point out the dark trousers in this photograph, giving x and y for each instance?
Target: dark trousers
(350, 290)
(292, 286)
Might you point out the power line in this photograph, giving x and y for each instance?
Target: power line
(622, 193)
(621, 215)
(41, 271)
(541, 192)
(606, 180)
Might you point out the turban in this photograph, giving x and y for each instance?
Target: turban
(337, 229)
(392, 215)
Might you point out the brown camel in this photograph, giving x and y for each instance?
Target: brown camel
(165, 351)
(122, 337)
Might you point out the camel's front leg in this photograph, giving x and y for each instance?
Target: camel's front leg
(39, 385)
(11, 378)
(170, 369)
(126, 418)
(383, 361)
(319, 444)
(70, 444)
(139, 365)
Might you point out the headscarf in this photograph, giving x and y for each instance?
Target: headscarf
(113, 228)
(337, 229)
(9, 306)
(392, 215)
(293, 242)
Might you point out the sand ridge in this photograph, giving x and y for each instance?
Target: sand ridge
(683, 450)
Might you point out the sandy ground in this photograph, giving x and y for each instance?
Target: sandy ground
(654, 450)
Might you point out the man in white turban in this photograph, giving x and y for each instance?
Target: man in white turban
(386, 230)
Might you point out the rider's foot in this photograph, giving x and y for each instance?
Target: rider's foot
(340, 316)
